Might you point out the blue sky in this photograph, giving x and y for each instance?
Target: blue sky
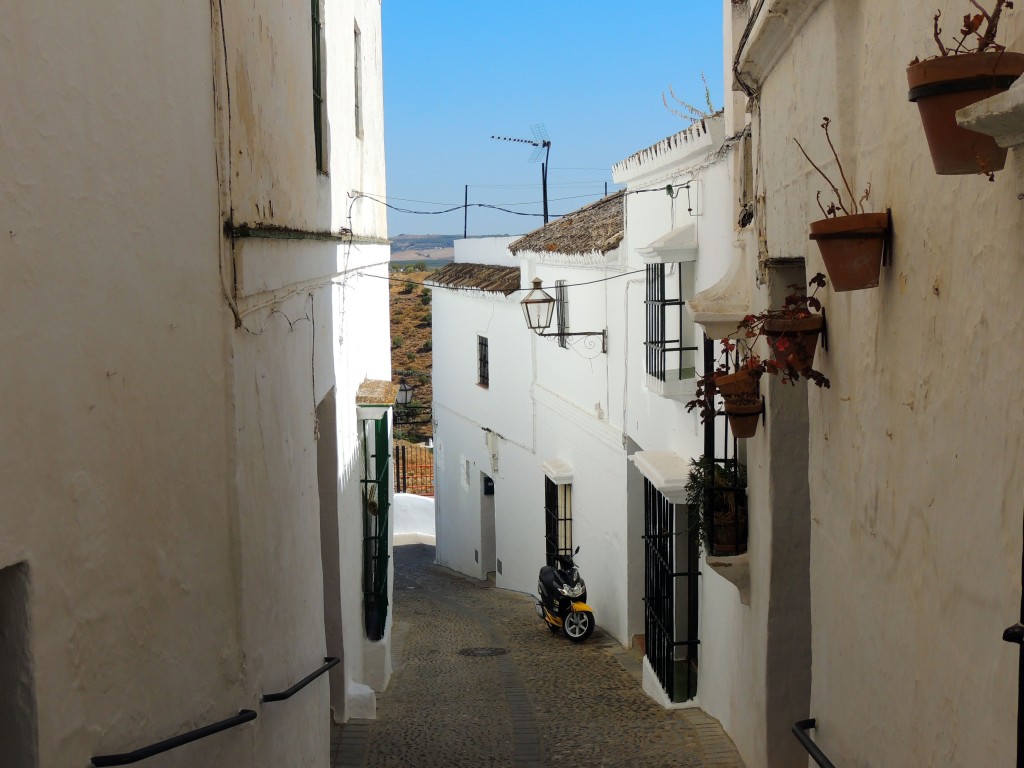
(591, 72)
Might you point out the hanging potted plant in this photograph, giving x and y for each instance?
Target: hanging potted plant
(853, 245)
(742, 400)
(716, 501)
(975, 67)
(792, 332)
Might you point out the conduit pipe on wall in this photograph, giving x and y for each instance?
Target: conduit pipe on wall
(625, 354)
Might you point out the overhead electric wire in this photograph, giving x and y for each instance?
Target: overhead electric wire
(379, 199)
(514, 290)
(462, 206)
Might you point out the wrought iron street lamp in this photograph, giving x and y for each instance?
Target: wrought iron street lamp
(404, 394)
(538, 308)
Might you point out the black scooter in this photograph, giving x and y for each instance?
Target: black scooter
(562, 599)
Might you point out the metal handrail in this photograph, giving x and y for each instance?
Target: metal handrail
(329, 661)
(126, 758)
(800, 731)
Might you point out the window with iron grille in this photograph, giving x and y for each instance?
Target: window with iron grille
(557, 519)
(318, 87)
(670, 336)
(482, 362)
(562, 312)
(357, 67)
(375, 479)
(671, 594)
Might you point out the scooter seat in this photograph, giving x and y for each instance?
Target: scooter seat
(549, 578)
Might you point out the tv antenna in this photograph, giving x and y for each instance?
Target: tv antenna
(542, 146)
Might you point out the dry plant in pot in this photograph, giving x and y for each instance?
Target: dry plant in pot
(855, 244)
(973, 68)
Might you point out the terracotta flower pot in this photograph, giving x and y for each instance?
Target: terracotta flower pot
(743, 416)
(739, 384)
(793, 341)
(852, 248)
(941, 86)
(730, 534)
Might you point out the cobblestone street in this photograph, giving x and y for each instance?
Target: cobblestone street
(479, 681)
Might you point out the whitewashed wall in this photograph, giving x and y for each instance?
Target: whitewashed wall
(163, 487)
(914, 453)
(463, 410)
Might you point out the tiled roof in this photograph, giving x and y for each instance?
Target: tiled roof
(594, 228)
(480, 277)
(376, 392)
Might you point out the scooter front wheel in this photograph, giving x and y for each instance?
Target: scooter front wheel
(578, 626)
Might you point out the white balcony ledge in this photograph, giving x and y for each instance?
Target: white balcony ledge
(1000, 116)
(720, 307)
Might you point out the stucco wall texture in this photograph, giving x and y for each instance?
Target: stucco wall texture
(916, 484)
(158, 477)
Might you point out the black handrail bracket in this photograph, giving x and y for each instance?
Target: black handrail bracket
(800, 731)
(329, 661)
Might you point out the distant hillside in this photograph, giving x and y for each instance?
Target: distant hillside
(400, 243)
(423, 243)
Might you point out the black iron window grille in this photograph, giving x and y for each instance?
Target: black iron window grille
(376, 486)
(557, 519)
(671, 591)
(357, 67)
(562, 312)
(483, 376)
(318, 87)
(725, 491)
(668, 326)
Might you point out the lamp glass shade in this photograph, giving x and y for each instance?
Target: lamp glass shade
(404, 394)
(538, 307)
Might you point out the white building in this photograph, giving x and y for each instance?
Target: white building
(597, 410)
(189, 315)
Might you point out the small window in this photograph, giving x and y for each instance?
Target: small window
(357, 68)
(482, 362)
(557, 519)
(318, 87)
(562, 312)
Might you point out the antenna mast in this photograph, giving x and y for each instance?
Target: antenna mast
(542, 146)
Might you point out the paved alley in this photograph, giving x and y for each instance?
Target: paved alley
(479, 681)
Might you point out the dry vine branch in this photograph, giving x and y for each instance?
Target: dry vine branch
(831, 210)
(971, 26)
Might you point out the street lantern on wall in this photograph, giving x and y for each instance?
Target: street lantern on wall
(538, 309)
(404, 396)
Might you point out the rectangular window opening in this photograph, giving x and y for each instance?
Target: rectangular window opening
(318, 87)
(483, 376)
(375, 479)
(557, 519)
(357, 68)
(670, 346)
(562, 312)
